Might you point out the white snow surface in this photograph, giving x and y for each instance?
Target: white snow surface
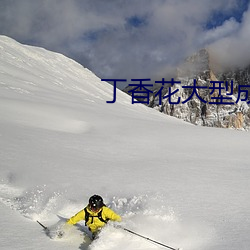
(181, 185)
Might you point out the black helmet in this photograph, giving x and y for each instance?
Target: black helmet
(95, 202)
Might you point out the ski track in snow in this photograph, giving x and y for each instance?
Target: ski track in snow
(57, 132)
(145, 214)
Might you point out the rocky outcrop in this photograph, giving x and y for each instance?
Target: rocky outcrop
(216, 102)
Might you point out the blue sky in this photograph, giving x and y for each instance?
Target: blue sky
(218, 17)
(131, 38)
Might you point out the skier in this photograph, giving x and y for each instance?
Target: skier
(95, 214)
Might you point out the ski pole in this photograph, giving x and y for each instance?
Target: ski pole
(45, 228)
(146, 238)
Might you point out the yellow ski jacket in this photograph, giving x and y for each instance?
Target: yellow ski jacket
(94, 223)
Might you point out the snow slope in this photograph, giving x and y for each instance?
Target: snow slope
(60, 142)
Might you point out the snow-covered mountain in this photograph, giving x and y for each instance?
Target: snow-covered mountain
(179, 184)
(214, 104)
(229, 112)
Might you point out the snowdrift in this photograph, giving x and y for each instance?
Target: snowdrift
(60, 142)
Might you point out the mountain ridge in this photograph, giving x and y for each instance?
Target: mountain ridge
(215, 84)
